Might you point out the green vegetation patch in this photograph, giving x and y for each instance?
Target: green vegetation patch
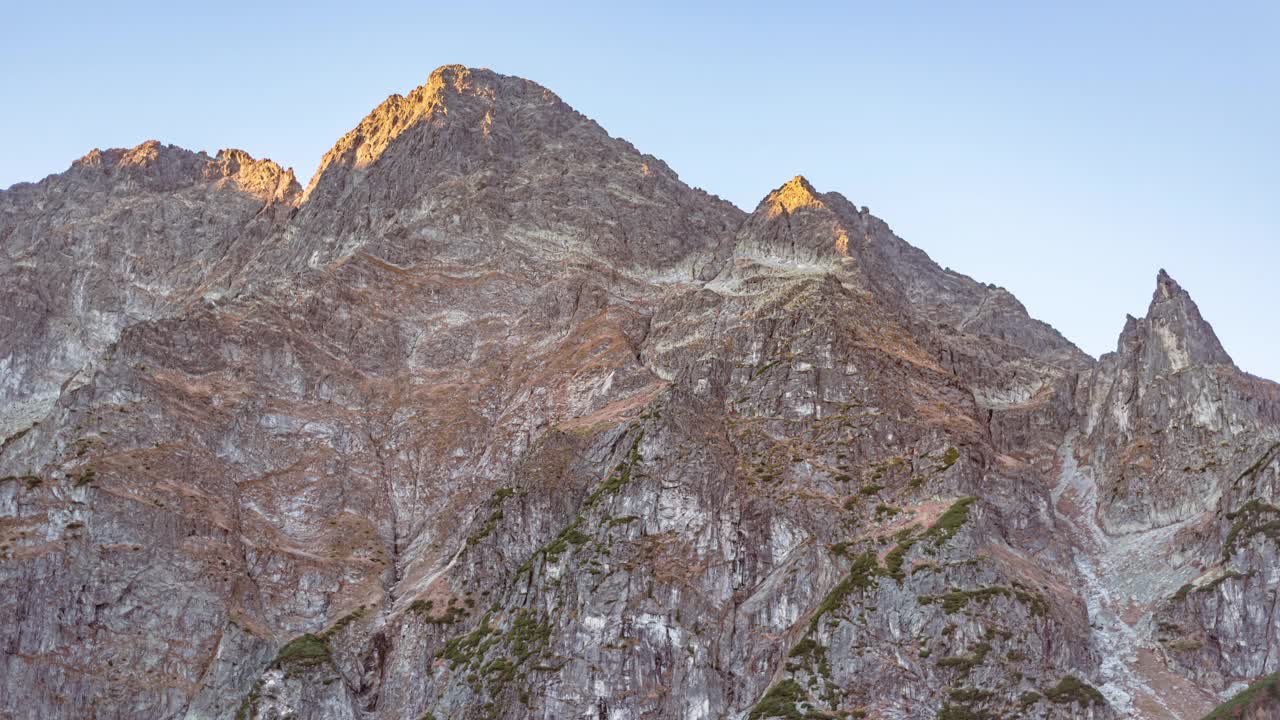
(85, 477)
(1072, 689)
(840, 549)
(1183, 592)
(965, 663)
(861, 576)
(894, 560)
(620, 476)
(1265, 459)
(31, 481)
(342, 623)
(806, 647)
(527, 636)
(783, 700)
(452, 614)
(249, 706)
(814, 654)
(949, 522)
(572, 536)
(495, 656)
(1264, 690)
(764, 368)
(1253, 518)
(495, 516)
(304, 650)
(954, 601)
(949, 458)
(963, 712)
(970, 695)
(569, 536)
(1184, 645)
(470, 648)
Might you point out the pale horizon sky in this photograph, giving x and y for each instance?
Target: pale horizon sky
(1064, 153)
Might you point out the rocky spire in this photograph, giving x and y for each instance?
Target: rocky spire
(796, 193)
(795, 224)
(1173, 336)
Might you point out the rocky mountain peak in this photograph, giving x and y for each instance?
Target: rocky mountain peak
(1169, 385)
(149, 153)
(151, 163)
(437, 173)
(799, 227)
(458, 117)
(155, 166)
(365, 143)
(262, 178)
(1173, 335)
(794, 194)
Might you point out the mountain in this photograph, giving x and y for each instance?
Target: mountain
(497, 418)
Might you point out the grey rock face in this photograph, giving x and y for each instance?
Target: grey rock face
(123, 236)
(1169, 415)
(498, 418)
(475, 165)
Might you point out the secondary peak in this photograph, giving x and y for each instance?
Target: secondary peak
(796, 193)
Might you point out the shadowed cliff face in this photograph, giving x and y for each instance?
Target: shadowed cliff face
(498, 418)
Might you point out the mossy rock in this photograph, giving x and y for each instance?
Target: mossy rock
(783, 700)
(303, 650)
(949, 522)
(1073, 690)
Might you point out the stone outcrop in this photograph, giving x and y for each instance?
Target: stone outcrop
(122, 237)
(500, 419)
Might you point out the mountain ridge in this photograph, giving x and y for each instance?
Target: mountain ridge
(499, 418)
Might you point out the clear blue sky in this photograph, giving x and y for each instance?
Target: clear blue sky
(1065, 153)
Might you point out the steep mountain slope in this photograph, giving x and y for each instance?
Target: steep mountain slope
(475, 165)
(121, 237)
(498, 418)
